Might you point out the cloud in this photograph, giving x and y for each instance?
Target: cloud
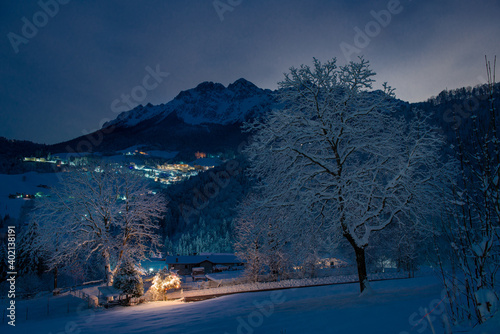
(63, 81)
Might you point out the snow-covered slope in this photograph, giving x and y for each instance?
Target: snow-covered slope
(207, 103)
(28, 183)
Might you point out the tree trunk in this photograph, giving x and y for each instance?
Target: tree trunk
(360, 262)
(55, 278)
(107, 268)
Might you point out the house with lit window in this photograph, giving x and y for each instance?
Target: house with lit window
(209, 261)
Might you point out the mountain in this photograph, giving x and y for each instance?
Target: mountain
(207, 117)
(12, 151)
(208, 103)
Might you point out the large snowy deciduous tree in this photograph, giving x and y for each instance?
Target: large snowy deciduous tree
(99, 210)
(337, 153)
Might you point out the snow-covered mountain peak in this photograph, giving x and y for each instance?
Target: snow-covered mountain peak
(208, 102)
(242, 84)
(136, 115)
(209, 86)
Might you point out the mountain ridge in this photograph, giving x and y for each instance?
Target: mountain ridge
(208, 118)
(208, 102)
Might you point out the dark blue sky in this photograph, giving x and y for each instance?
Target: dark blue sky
(68, 76)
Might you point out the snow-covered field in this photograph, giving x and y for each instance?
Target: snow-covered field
(395, 306)
(27, 183)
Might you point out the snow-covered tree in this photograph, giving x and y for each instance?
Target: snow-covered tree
(402, 245)
(101, 210)
(471, 230)
(128, 279)
(276, 240)
(249, 246)
(262, 240)
(204, 238)
(340, 151)
(29, 258)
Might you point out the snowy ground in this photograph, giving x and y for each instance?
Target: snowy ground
(226, 283)
(27, 183)
(394, 307)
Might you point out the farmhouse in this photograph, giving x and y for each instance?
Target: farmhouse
(210, 261)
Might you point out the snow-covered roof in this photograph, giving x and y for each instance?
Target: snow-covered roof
(195, 259)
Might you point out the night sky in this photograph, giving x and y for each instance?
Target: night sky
(63, 79)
